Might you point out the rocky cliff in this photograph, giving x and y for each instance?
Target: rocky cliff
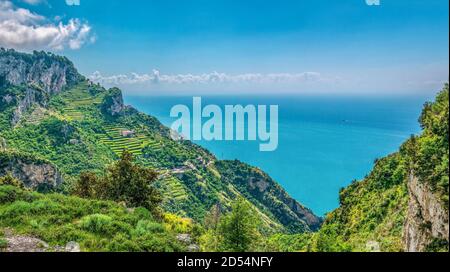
(31, 97)
(34, 173)
(50, 72)
(31, 79)
(113, 102)
(427, 220)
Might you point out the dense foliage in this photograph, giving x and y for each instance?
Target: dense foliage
(428, 154)
(124, 182)
(235, 231)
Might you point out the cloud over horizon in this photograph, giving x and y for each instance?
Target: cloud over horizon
(156, 78)
(23, 29)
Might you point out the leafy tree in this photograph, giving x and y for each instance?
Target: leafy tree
(125, 182)
(85, 187)
(238, 229)
(212, 219)
(133, 184)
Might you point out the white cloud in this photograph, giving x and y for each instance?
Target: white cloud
(211, 78)
(24, 30)
(33, 2)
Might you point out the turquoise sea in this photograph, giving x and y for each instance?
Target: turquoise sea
(324, 142)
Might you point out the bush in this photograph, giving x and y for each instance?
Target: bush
(9, 194)
(10, 180)
(146, 226)
(96, 223)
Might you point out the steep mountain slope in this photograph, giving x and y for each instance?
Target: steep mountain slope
(49, 110)
(403, 204)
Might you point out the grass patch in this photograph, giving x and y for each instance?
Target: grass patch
(95, 225)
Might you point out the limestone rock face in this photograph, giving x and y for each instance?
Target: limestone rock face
(427, 219)
(40, 75)
(113, 103)
(34, 174)
(269, 193)
(49, 72)
(32, 97)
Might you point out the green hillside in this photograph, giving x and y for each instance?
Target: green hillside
(85, 127)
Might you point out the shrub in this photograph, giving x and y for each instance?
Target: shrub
(10, 180)
(146, 226)
(96, 223)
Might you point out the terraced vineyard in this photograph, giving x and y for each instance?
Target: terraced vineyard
(77, 99)
(173, 189)
(133, 143)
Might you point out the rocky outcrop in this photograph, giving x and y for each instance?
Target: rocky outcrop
(40, 75)
(34, 173)
(50, 72)
(113, 103)
(22, 243)
(31, 97)
(427, 219)
(27, 244)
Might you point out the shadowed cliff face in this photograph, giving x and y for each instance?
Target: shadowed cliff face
(34, 173)
(113, 103)
(427, 219)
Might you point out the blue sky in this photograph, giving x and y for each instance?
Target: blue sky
(294, 46)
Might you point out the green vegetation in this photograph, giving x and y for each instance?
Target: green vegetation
(371, 210)
(134, 143)
(10, 180)
(289, 243)
(175, 191)
(238, 230)
(235, 231)
(95, 225)
(428, 154)
(124, 182)
(3, 242)
(255, 184)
